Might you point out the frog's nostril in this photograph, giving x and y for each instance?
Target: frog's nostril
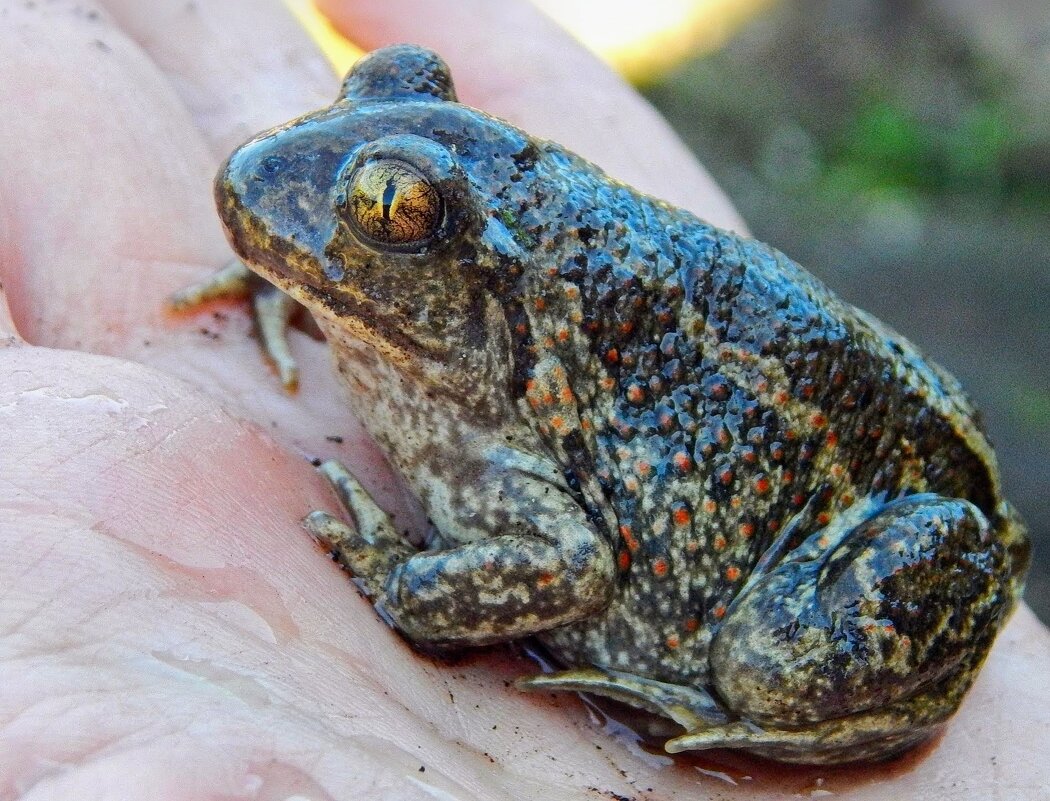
(271, 164)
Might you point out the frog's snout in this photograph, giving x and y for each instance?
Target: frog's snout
(275, 200)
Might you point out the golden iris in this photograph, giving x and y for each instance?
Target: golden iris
(393, 204)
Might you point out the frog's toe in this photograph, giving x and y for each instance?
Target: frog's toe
(273, 311)
(874, 736)
(691, 708)
(232, 281)
(369, 564)
(372, 547)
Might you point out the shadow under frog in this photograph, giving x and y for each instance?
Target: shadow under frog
(709, 487)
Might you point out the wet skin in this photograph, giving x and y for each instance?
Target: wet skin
(710, 488)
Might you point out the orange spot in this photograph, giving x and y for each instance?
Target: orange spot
(626, 327)
(732, 573)
(681, 515)
(780, 397)
(585, 424)
(773, 525)
(541, 304)
(672, 641)
(572, 291)
(623, 560)
(544, 580)
(692, 624)
(683, 462)
(548, 343)
(612, 355)
(818, 420)
(635, 394)
(563, 334)
(747, 530)
(720, 543)
(692, 546)
(823, 518)
(832, 439)
(847, 501)
(607, 383)
(520, 328)
(719, 612)
(710, 506)
(566, 395)
(629, 538)
(889, 628)
(558, 423)
(660, 567)
(762, 485)
(548, 399)
(788, 477)
(837, 470)
(736, 502)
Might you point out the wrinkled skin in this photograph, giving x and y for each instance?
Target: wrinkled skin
(147, 576)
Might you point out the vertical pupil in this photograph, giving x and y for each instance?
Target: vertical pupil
(388, 197)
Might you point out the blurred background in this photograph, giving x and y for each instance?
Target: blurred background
(899, 149)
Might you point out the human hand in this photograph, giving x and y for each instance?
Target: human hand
(167, 630)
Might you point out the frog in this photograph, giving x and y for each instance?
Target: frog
(706, 486)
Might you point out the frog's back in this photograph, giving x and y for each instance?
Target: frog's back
(734, 393)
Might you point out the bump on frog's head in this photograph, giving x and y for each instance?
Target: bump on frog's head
(406, 72)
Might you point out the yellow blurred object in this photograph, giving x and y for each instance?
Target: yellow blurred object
(341, 52)
(642, 39)
(639, 39)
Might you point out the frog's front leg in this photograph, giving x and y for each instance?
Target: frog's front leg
(272, 312)
(548, 566)
(864, 637)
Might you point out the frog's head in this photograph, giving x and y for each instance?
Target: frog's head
(386, 213)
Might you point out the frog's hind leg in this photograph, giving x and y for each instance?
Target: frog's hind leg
(692, 709)
(867, 633)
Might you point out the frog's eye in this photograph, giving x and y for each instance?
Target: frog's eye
(393, 204)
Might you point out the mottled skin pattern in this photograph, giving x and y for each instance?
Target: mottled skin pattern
(708, 486)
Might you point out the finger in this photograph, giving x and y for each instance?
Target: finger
(107, 209)
(240, 66)
(511, 60)
(106, 185)
(8, 332)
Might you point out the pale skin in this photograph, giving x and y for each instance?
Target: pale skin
(167, 630)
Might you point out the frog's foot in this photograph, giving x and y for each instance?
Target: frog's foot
(272, 312)
(372, 549)
(876, 735)
(691, 708)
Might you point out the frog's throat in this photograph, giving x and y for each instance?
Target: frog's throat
(358, 319)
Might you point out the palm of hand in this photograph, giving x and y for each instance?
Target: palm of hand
(165, 624)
